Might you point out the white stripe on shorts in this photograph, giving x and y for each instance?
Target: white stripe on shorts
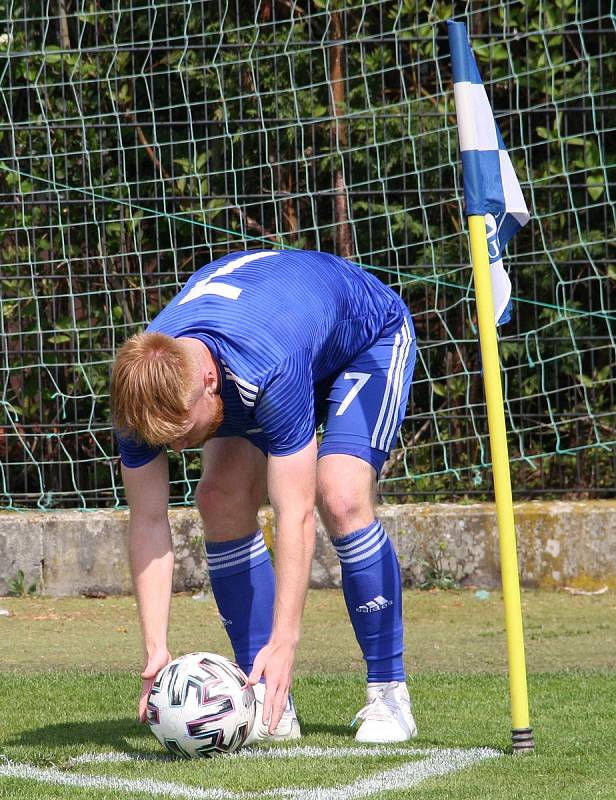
(390, 372)
(395, 378)
(392, 415)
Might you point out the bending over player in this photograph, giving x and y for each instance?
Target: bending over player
(255, 351)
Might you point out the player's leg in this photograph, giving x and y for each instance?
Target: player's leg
(232, 487)
(366, 405)
(372, 589)
(370, 572)
(228, 496)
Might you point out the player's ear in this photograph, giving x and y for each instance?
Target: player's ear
(210, 381)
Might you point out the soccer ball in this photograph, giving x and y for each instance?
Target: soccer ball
(201, 704)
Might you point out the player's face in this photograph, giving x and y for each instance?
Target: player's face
(204, 419)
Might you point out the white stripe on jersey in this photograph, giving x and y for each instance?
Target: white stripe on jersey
(246, 400)
(248, 387)
(247, 391)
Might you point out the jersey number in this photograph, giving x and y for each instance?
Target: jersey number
(362, 379)
(208, 286)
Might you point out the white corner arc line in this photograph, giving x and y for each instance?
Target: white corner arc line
(153, 788)
(436, 762)
(259, 753)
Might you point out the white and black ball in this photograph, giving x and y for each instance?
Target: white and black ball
(201, 704)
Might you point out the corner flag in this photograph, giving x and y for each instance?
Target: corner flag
(496, 210)
(491, 188)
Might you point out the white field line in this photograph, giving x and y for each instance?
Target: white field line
(435, 762)
(256, 753)
(149, 787)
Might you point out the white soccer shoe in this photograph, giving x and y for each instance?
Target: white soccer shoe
(387, 716)
(288, 727)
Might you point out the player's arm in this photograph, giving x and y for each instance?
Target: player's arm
(291, 488)
(151, 560)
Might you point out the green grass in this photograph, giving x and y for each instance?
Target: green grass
(52, 718)
(448, 631)
(48, 716)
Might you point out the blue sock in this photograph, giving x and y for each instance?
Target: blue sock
(242, 579)
(372, 589)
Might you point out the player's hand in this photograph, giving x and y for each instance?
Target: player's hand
(155, 662)
(274, 662)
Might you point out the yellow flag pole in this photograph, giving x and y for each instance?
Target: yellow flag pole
(522, 734)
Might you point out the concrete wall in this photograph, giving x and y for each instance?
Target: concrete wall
(572, 544)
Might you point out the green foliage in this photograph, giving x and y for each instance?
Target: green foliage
(18, 586)
(437, 575)
(141, 144)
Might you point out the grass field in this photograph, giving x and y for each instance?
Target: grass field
(68, 691)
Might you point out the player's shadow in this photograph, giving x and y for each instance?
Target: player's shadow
(119, 734)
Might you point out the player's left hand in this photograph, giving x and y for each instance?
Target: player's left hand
(274, 662)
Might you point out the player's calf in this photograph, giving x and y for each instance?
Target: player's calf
(372, 588)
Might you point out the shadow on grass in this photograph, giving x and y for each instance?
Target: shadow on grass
(345, 732)
(110, 733)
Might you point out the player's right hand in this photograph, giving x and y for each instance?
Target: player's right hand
(155, 662)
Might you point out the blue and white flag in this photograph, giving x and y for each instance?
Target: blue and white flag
(491, 187)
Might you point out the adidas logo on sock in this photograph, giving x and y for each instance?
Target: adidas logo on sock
(226, 622)
(378, 604)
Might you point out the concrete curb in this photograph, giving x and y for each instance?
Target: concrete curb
(559, 543)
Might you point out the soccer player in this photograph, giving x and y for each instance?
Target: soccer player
(256, 351)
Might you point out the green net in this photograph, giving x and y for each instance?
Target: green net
(140, 140)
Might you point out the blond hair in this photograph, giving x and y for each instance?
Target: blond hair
(152, 384)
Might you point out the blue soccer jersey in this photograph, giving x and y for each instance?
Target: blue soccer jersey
(281, 325)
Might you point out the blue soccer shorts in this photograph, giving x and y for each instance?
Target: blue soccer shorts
(364, 407)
